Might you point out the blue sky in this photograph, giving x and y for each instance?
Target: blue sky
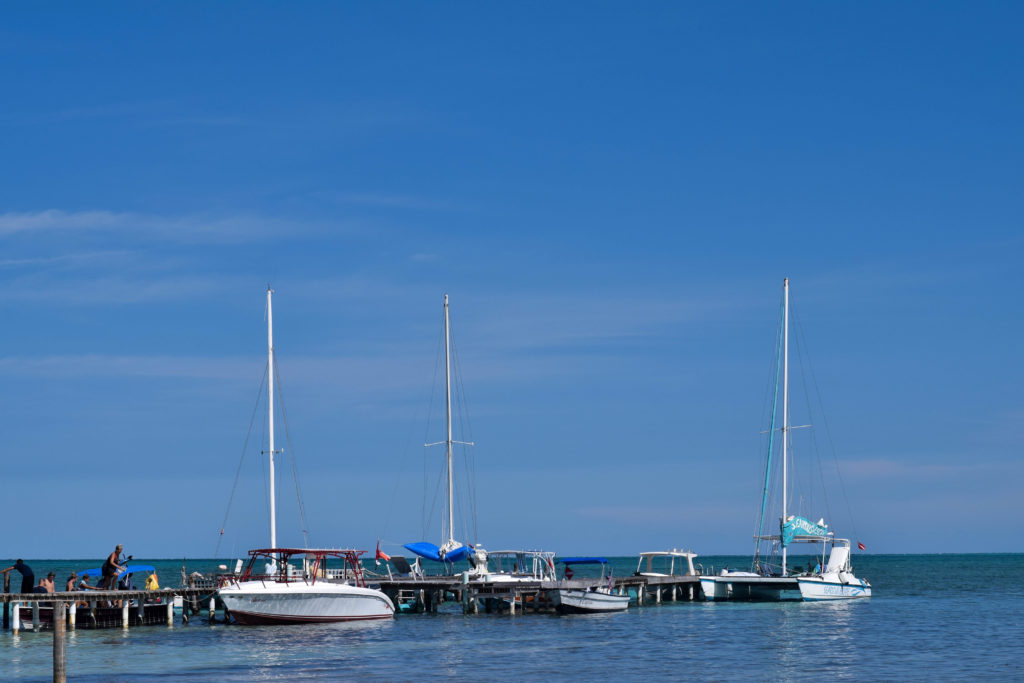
(611, 193)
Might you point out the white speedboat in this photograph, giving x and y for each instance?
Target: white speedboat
(280, 593)
(312, 593)
(505, 566)
(768, 580)
(571, 599)
(836, 581)
(667, 563)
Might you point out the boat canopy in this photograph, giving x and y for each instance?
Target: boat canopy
(799, 526)
(583, 560)
(131, 569)
(432, 552)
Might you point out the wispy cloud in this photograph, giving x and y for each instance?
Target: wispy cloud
(197, 228)
(68, 260)
(384, 200)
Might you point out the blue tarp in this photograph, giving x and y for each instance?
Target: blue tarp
(131, 569)
(583, 560)
(432, 552)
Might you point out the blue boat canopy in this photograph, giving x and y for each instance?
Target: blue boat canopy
(583, 560)
(432, 552)
(131, 569)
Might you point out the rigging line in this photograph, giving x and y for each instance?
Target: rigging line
(802, 350)
(771, 432)
(469, 458)
(241, 461)
(426, 432)
(291, 451)
(832, 447)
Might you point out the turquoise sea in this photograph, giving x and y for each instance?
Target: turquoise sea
(932, 617)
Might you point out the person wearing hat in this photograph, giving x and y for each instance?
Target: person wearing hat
(111, 568)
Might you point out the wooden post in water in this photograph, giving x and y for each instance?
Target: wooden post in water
(124, 614)
(35, 615)
(16, 624)
(59, 662)
(72, 613)
(7, 605)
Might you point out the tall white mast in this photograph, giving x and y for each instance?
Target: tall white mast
(785, 402)
(270, 413)
(448, 400)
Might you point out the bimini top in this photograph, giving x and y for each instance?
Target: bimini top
(583, 560)
(130, 569)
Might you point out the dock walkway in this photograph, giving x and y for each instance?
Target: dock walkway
(425, 593)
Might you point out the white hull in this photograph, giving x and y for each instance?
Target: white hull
(748, 587)
(269, 602)
(822, 588)
(582, 601)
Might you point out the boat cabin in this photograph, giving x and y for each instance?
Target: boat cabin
(667, 563)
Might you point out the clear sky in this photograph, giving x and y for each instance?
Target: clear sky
(611, 193)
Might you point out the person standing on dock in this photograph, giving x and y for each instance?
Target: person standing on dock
(72, 584)
(28, 577)
(111, 568)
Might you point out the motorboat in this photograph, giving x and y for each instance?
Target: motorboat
(504, 566)
(661, 563)
(273, 590)
(836, 581)
(572, 599)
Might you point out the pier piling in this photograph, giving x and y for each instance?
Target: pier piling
(59, 661)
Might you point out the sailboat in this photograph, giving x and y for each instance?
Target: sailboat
(769, 582)
(450, 550)
(328, 586)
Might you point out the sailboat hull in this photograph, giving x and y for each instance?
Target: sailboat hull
(297, 602)
(749, 587)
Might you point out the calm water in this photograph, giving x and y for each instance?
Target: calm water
(934, 616)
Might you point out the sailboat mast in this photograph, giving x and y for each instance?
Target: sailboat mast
(785, 404)
(448, 400)
(270, 413)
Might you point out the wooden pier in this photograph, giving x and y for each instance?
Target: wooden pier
(35, 611)
(424, 594)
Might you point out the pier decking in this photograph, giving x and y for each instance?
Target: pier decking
(35, 611)
(426, 593)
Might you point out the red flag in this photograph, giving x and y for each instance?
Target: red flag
(861, 546)
(380, 554)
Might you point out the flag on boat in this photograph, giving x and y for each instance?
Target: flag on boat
(861, 546)
(800, 526)
(381, 555)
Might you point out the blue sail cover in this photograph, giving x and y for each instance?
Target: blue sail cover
(130, 569)
(798, 526)
(432, 552)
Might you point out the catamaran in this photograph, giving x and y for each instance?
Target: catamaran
(765, 580)
(279, 592)
(450, 550)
